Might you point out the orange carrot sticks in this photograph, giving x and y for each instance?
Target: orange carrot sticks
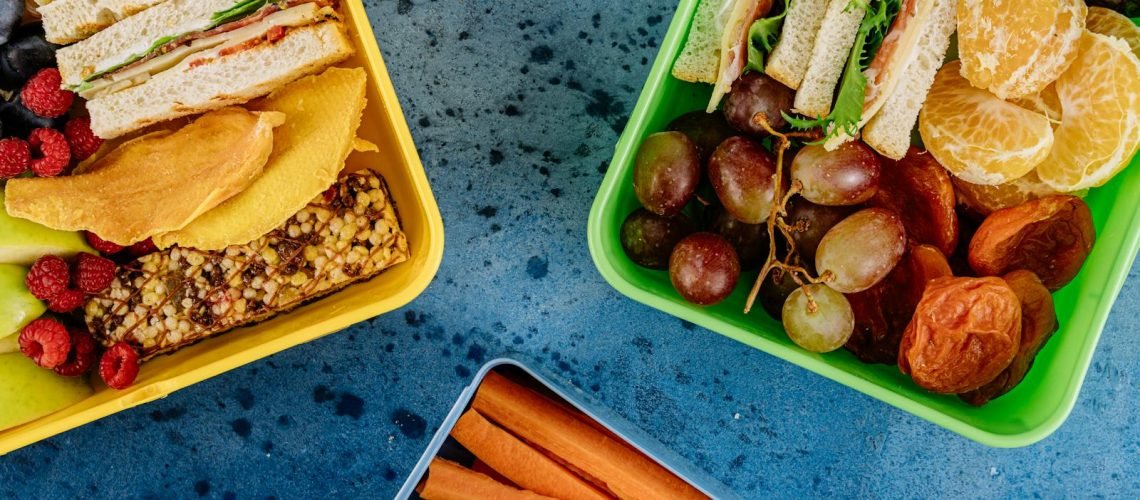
(537, 420)
(482, 468)
(518, 462)
(450, 481)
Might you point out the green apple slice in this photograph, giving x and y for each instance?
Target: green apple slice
(9, 344)
(28, 392)
(23, 241)
(17, 306)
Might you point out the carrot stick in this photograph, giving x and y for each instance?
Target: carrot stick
(518, 462)
(448, 480)
(600, 485)
(532, 417)
(482, 468)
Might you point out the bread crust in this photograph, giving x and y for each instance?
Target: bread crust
(70, 21)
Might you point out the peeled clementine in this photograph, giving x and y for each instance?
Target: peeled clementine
(1016, 48)
(1100, 124)
(979, 138)
(1112, 23)
(986, 199)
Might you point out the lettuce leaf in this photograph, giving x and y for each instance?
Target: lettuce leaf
(238, 11)
(762, 37)
(847, 111)
(130, 60)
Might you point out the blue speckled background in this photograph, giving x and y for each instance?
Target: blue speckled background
(516, 106)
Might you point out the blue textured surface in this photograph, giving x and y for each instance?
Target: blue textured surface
(515, 106)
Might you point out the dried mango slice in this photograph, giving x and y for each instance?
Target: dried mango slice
(322, 115)
(156, 183)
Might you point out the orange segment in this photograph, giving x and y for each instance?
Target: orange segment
(1112, 23)
(1100, 129)
(1016, 48)
(1045, 102)
(978, 137)
(987, 199)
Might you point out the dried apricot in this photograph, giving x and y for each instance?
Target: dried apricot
(919, 189)
(1051, 236)
(883, 312)
(964, 333)
(1038, 324)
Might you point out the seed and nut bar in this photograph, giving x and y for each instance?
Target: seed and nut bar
(178, 296)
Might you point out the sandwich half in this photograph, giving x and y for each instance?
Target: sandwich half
(716, 50)
(787, 63)
(889, 130)
(69, 21)
(184, 57)
(848, 60)
(700, 57)
(734, 44)
(830, 52)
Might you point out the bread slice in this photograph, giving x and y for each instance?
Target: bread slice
(234, 79)
(69, 21)
(789, 59)
(889, 131)
(888, 66)
(828, 56)
(700, 58)
(134, 35)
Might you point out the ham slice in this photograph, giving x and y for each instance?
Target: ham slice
(734, 45)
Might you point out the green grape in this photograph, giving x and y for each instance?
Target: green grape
(749, 240)
(648, 239)
(743, 174)
(774, 292)
(704, 268)
(706, 130)
(666, 172)
(849, 175)
(822, 326)
(757, 93)
(861, 250)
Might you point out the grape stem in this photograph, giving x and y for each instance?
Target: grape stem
(776, 220)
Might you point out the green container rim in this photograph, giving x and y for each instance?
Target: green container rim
(1118, 240)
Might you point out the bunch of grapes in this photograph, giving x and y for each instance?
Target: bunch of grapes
(719, 195)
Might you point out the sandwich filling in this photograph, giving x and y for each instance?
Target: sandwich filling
(246, 25)
(894, 53)
(734, 44)
(869, 71)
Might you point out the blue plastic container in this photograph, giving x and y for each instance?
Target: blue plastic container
(442, 445)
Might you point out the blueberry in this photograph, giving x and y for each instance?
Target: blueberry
(19, 121)
(27, 53)
(11, 11)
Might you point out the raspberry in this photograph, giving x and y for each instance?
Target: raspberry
(50, 152)
(46, 341)
(43, 95)
(144, 247)
(93, 274)
(15, 157)
(81, 357)
(103, 246)
(119, 366)
(83, 141)
(48, 277)
(67, 301)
